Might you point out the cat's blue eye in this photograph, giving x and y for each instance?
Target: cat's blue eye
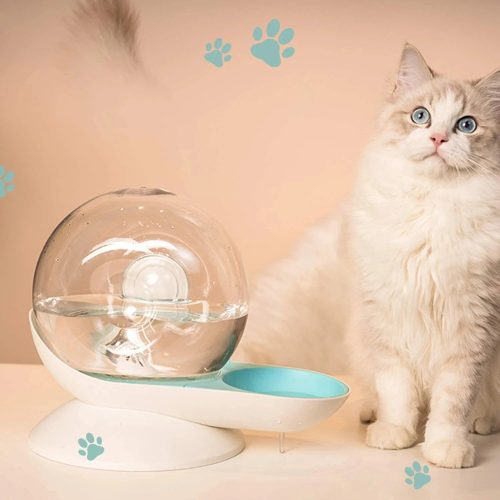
(467, 125)
(420, 116)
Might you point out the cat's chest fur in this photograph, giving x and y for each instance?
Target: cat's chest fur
(423, 249)
(432, 232)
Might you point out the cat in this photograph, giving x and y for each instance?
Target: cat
(408, 281)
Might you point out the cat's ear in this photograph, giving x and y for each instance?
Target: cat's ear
(490, 87)
(413, 71)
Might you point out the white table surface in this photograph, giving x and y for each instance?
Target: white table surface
(328, 461)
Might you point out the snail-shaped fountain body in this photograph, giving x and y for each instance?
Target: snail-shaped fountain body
(139, 301)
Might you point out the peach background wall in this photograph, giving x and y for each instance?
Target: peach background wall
(267, 151)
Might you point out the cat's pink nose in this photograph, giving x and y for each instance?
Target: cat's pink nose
(438, 139)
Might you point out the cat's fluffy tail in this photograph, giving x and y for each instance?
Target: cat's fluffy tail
(104, 32)
(299, 310)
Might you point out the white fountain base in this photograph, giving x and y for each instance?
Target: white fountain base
(128, 440)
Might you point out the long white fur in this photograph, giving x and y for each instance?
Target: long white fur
(290, 322)
(408, 280)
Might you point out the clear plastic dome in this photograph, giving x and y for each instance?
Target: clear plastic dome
(138, 283)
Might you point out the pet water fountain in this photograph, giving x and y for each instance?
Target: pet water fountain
(139, 301)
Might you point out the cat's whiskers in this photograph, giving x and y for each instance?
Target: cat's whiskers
(482, 160)
(481, 164)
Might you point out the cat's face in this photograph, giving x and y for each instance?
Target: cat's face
(443, 125)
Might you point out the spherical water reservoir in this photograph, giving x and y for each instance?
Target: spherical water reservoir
(138, 283)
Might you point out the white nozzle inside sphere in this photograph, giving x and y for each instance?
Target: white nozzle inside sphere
(155, 277)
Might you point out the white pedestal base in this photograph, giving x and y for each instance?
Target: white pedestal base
(128, 440)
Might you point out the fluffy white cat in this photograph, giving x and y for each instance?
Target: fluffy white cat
(409, 279)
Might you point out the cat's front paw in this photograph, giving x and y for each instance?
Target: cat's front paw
(454, 454)
(389, 436)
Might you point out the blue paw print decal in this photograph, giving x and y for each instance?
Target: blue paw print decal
(269, 49)
(417, 476)
(218, 54)
(90, 447)
(6, 179)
